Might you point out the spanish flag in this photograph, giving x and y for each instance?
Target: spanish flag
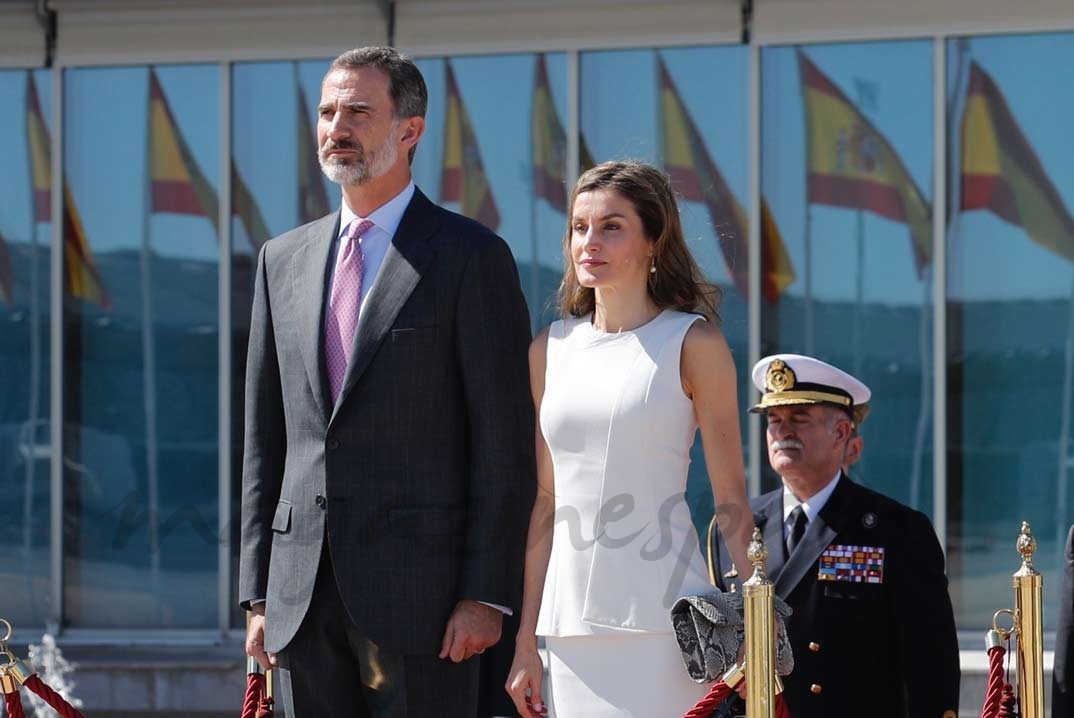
(312, 198)
(696, 177)
(177, 183)
(462, 178)
(1002, 173)
(81, 279)
(244, 206)
(852, 165)
(550, 144)
(7, 285)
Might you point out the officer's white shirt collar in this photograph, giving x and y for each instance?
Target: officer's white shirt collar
(813, 505)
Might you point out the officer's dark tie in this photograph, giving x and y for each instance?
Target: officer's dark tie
(798, 527)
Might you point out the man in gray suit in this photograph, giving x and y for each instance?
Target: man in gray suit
(388, 469)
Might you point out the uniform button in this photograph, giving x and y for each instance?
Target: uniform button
(816, 688)
(321, 501)
(332, 444)
(814, 646)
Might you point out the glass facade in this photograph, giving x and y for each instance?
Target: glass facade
(141, 255)
(688, 114)
(848, 153)
(25, 348)
(847, 163)
(1010, 311)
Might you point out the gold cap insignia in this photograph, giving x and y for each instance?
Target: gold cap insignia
(779, 377)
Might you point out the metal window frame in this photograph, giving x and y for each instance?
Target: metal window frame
(573, 49)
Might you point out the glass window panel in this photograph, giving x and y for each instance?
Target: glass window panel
(25, 238)
(1010, 313)
(513, 115)
(685, 109)
(140, 322)
(276, 184)
(847, 156)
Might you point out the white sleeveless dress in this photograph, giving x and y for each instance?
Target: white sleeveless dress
(619, 429)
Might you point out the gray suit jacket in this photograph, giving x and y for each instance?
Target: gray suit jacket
(422, 475)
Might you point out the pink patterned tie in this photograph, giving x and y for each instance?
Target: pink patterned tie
(342, 320)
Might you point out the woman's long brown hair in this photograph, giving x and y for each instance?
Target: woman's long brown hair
(678, 282)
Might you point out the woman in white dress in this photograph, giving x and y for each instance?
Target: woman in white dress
(621, 384)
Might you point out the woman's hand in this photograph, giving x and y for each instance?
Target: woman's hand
(524, 681)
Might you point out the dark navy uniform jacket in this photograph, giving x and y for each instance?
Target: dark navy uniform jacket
(873, 631)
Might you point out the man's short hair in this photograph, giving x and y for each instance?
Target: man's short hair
(406, 86)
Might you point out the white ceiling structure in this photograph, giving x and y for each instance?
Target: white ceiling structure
(133, 31)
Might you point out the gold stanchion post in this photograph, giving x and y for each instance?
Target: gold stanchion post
(1029, 621)
(759, 613)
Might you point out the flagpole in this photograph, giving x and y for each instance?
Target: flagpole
(35, 368)
(866, 96)
(808, 239)
(1061, 518)
(149, 367)
(33, 409)
(535, 270)
(924, 356)
(809, 278)
(860, 293)
(949, 383)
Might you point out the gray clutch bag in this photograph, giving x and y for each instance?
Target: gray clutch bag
(710, 630)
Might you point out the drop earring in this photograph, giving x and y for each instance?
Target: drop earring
(652, 264)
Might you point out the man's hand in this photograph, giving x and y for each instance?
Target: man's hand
(472, 628)
(255, 638)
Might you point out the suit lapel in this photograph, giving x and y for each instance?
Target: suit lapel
(407, 257)
(308, 277)
(820, 533)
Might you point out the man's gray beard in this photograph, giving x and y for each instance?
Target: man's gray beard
(366, 168)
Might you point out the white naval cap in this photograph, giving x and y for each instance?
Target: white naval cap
(789, 379)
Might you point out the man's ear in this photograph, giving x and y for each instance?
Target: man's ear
(852, 452)
(411, 129)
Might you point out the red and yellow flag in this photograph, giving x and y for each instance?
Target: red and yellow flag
(852, 165)
(312, 198)
(1002, 173)
(244, 206)
(549, 143)
(80, 276)
(7, 285)
(176, 182)
(462, 177)
(696, 177)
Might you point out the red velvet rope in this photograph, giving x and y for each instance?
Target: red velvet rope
(13, 703)
(995, 702)
(54, 699)
(255, 688)
(994, 690)
(257, 703)
(712, 700)
(720, 692)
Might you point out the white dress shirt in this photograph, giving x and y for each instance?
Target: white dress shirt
(375, 241)
(811, 507)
